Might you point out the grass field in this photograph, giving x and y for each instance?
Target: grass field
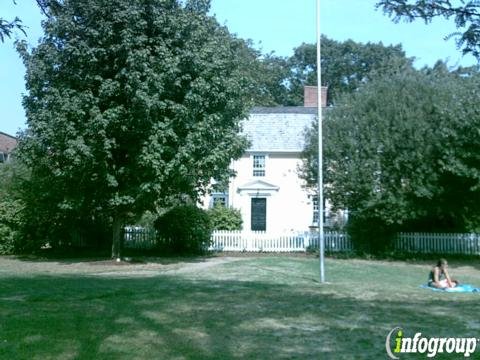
(269, 307)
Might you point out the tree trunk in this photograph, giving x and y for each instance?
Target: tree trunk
(117, 238)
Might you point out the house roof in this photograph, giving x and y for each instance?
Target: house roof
(278, 129)
(284, 110)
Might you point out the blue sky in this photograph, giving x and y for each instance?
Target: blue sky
(273, 25)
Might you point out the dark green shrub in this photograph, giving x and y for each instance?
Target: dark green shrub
(31, 219)
(11, 209)
(370, 235)
(10, 220)
(224, 218)
(147, 220)
(184, 229)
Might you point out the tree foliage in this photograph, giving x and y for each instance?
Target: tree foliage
(184, 229)
(345, 65)
(404, 150)
(131, 105)
(465, 13)
(225, 218)
(7, 27)
(271, 74)
(11, 206)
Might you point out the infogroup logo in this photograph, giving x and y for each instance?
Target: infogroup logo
(430, 346)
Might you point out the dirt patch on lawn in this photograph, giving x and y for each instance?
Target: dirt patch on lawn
(102, 267)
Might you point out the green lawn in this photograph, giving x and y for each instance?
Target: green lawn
(270, 307)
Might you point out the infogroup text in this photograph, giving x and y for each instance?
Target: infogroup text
(396, 344)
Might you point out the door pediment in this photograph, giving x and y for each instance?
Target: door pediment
(258, 187)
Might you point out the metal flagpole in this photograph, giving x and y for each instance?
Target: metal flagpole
(320, 153)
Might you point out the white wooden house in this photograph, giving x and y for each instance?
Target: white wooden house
(267, 188)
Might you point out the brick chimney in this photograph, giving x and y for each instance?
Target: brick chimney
(310, 96)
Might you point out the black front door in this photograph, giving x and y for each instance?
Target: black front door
(259, 214)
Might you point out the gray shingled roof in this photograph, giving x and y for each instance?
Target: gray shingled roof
(284, 110)
(278, 129)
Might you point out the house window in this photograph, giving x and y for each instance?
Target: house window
(315, 210)
(219, 199)
(3, 157)
(258, 165)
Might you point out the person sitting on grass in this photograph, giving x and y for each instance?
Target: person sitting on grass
(439, 277)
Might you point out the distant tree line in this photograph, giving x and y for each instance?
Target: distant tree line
(345, 66)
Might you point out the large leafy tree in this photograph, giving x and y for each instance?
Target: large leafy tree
(465, 13)
(345, 66)
(404, 151)
(130, 105)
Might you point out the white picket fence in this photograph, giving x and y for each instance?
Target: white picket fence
(260, 241)
(438, 243)
(136, 237)
(335, 241)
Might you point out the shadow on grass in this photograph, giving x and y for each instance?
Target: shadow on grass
(96, 258)
(169, 317)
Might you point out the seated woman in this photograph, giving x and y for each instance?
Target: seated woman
(439, 277)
